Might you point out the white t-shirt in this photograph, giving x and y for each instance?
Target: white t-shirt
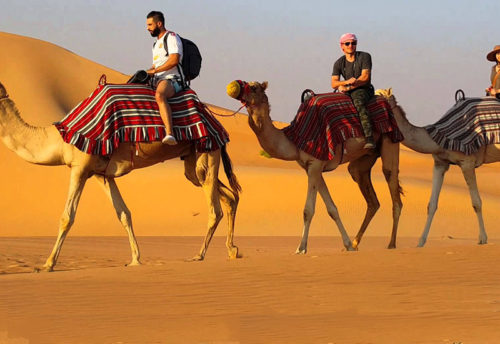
(160, 54)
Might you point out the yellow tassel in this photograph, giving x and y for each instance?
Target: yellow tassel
(265, 154)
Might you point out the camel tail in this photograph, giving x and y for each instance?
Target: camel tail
(228, 169)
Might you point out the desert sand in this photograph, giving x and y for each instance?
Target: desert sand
(446, 292)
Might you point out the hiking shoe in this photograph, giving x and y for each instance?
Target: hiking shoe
(169, 140)
(370, 144)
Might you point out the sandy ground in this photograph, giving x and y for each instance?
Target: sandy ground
(447, 292)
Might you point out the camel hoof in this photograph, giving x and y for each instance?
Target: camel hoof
(43, 269)
(197, 258)
(421, 243)
(233, 253)
(134, 263)
(301, 251)
(482, 242)
(391, 247)
(354, 246)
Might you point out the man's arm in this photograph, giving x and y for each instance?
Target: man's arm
(172, 61)
(337, 83)
(363, 79)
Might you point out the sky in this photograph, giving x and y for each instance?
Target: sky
(425, 50)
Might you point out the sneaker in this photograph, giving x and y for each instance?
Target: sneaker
(169, 140)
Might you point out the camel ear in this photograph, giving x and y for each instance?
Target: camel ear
(264, 85)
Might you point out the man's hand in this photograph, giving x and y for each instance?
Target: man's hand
(344, 89)
(350, 81)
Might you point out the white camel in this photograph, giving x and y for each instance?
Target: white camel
(45, 146)
(419, 140)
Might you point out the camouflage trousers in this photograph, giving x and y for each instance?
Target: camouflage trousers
(360, 98)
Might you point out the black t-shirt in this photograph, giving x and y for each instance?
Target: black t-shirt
(347, 69)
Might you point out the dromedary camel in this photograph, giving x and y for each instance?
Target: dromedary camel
(360, 160)
(45, 146)
(418, 139)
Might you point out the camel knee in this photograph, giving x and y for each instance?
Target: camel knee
(65, 222)
(477, 206)
(125, 217)
(388, 174)
(373, 207)
(334, 214)
(308, 214)
(431, 208)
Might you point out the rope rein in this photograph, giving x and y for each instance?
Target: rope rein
(221, 115)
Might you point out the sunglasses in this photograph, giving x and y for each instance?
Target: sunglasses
(349, 43)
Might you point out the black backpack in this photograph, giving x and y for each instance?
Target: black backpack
(191, 58)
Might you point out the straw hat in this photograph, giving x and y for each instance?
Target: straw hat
(492, 54)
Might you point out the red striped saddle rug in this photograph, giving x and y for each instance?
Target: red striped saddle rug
(329, 119)
(470, 124)
(116, 113)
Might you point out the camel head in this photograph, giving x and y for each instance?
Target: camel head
(249, 93)
(387, 94)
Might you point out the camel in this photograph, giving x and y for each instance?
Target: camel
(419, 140)
(45, 146)
(360, 160)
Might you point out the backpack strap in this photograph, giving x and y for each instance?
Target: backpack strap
(165, 45)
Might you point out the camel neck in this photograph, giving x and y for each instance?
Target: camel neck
(37, 145)
(271, 139)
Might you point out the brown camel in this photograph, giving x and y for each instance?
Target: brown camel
(45, 146)
(360, 160)
(419, 140)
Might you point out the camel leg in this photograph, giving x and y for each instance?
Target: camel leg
(440, 168)
(313, 179)
(360, 170)
(77, 182)
(334, 214)
(230, 202)
(207, 171)
(470, 177)
(111, 189)
(390, 168)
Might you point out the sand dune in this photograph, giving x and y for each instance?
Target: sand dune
(329, 296)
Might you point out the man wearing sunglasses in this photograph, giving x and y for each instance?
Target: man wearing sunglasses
(355, 68)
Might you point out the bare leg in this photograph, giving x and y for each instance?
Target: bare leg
(470, 177)
(111, 189)
(164, 91)
(77, 182)
(334, 214)
(440, 168)
(207, 171)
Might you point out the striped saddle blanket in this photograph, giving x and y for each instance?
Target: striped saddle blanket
(468, 125)
(116, 113)
(329, 119)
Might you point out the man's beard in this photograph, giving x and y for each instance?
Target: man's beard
(155, 32)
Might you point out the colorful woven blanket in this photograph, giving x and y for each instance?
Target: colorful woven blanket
(326, 120)
(468, 125)
(116, 113)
